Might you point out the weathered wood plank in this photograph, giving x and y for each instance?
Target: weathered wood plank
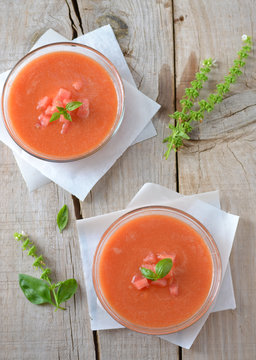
(214, 28)
(235, 112)
(23, 22)
(28, 331)
(144, 31)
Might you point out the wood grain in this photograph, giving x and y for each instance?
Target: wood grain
(28, 331)
(225, 160)
(236, 112)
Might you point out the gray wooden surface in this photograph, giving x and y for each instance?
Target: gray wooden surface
(163, 42)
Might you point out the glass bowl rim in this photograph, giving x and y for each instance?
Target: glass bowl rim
(216, 276)
(118, 120)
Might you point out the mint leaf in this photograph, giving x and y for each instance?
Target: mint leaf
(148, 274)
(62, 218)
(163, 267)
(73, 105)
(55, 116)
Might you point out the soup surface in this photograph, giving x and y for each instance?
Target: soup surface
(85, 79)
(155, 306)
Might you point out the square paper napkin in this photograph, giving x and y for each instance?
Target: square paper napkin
(204, 207)
(80, 176)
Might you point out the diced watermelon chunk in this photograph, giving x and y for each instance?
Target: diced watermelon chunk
(43, 103)
(65, 127)
(139, 282)
(50, 110)
(159, 282)
(77, 85)
(62, 119)
(150, 258)
(62, 98)
(151, 267)
(44, 119)
(173, 288)
(169, 275)
(83, 111)
(57, 102)
(65, 101)
(63, 94)
(165, 255)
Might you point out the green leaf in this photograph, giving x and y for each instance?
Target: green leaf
(36, 290)
(62, 218)
(163, 267)
(148, 274)
(55, 116)
(61, 109)
(45, 274)
(73, 105)
(67, 116)
(66, 290)
(185, 136)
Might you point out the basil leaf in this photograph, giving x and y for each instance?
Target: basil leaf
(163, 267)
(62, 218)
(36, 290)
(55, 116)
(73, 105)
(67, 115)
(66, 290)
(148, 274)
(61, 109)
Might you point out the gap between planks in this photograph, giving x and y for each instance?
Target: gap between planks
(76, 202)
(175, 108)
(174, 101)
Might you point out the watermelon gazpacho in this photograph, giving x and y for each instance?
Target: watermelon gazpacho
(47, 84)
(155, 302)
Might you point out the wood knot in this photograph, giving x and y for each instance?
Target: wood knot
(119, 26)
(179, 19)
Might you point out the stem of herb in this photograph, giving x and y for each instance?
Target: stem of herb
(187, 115)
(27, 244)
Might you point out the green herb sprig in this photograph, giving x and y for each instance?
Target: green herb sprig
(163, 267)
(73, 105)
(188, 113)
(43, 290)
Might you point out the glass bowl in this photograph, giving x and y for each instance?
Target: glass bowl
(208, 240)
(63, 47)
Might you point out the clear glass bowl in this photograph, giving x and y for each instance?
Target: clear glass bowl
(69, 47)
(199, 228)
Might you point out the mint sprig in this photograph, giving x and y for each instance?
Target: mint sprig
(71, 106)
(188, 114)
(163, 267)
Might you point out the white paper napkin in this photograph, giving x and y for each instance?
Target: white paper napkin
(206, 208)
(80, 176)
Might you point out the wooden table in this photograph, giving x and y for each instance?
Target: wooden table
(163, 42)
